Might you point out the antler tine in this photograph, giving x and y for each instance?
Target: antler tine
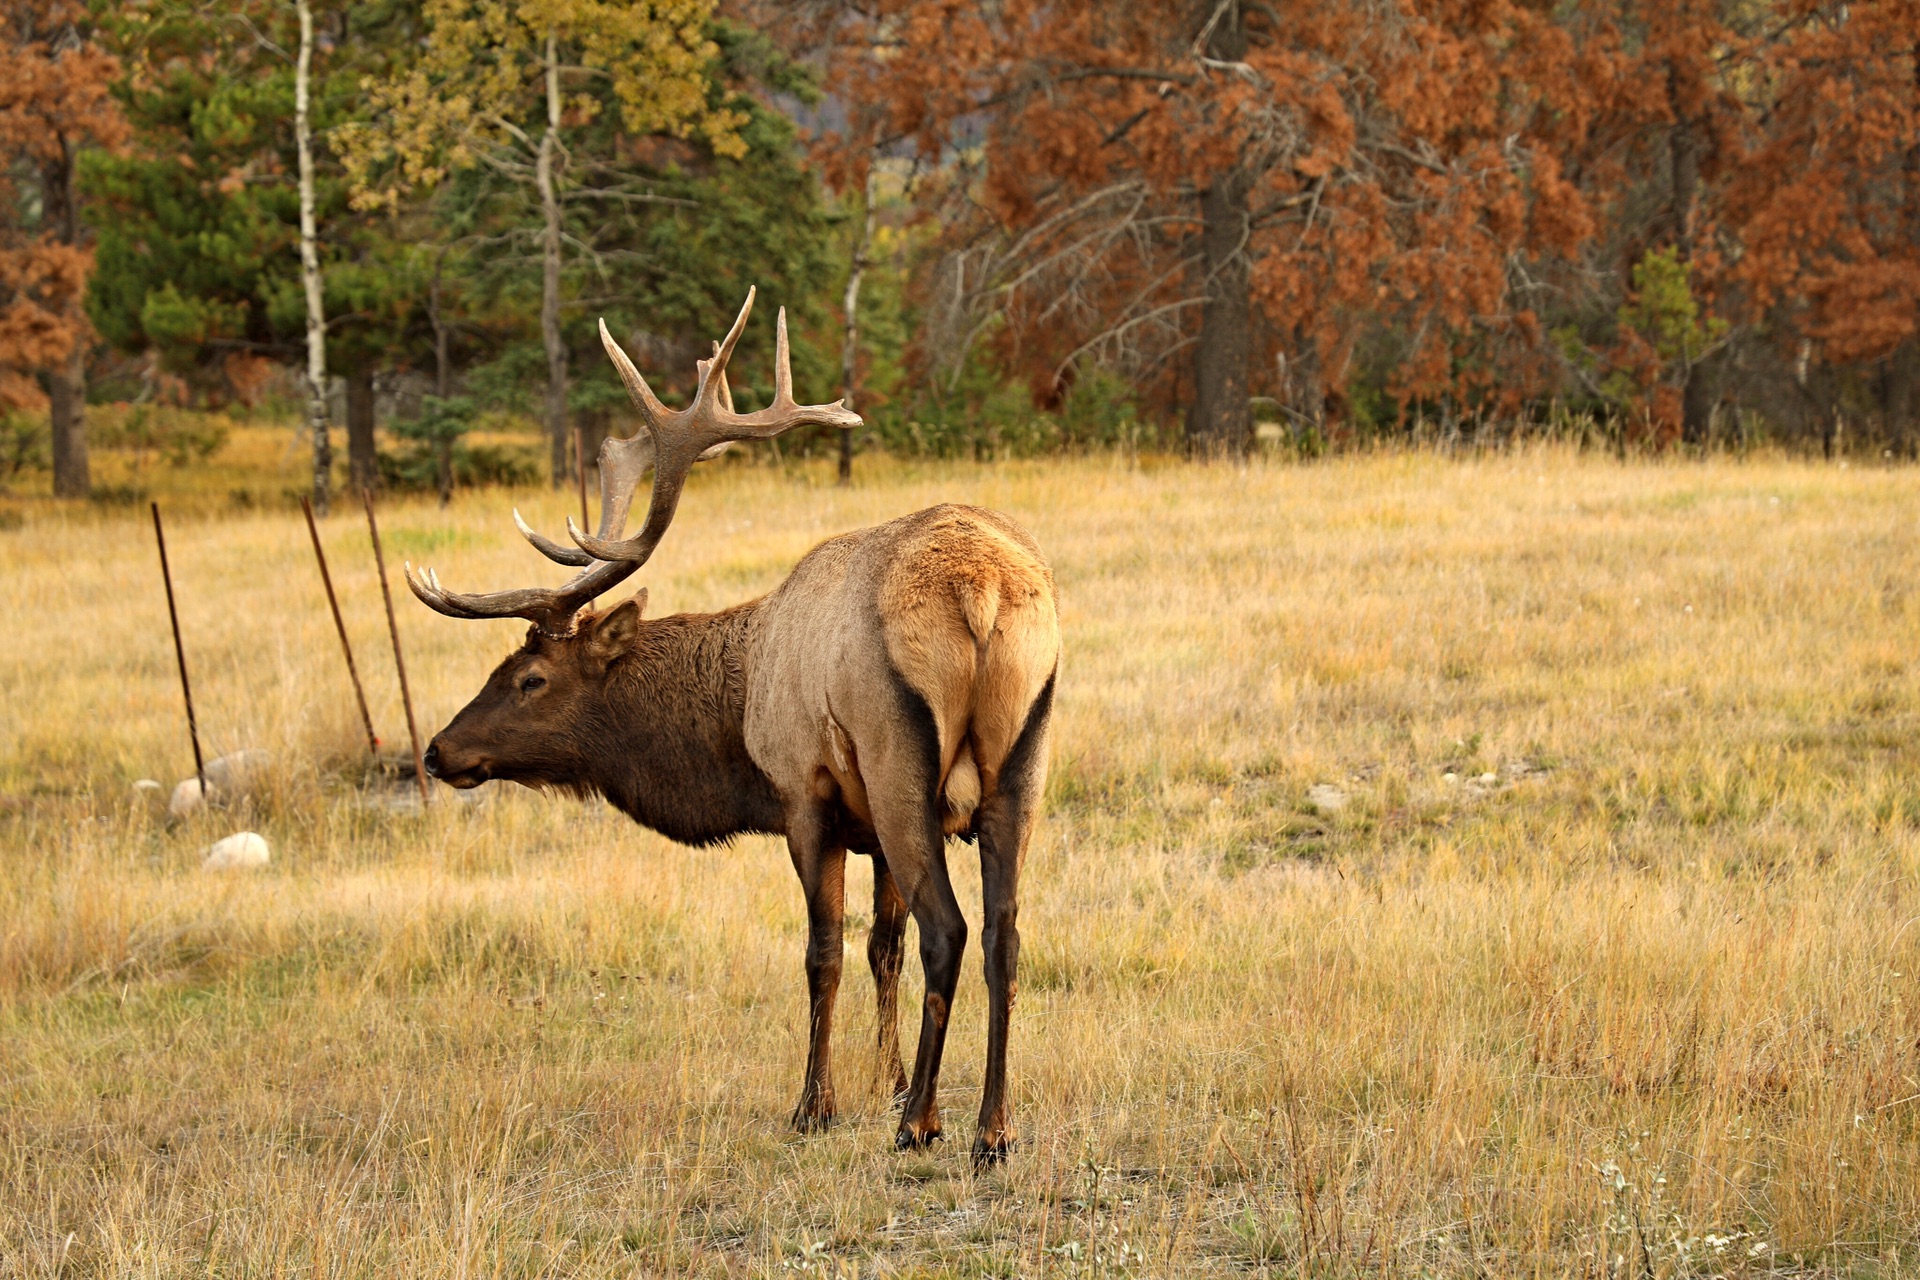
(714, 374)
(782, 367)
(548, 547)
(726, 390)
(549, 608)
(652, 412)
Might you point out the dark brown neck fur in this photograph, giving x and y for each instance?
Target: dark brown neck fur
(674, 755)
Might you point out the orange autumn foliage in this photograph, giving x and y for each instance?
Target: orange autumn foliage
(55, 98)
(1450, 200)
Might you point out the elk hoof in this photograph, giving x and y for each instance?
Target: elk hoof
(990, 1152)
(911, 1139)
(813, 1119)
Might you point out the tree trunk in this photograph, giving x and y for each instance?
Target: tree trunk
(1697, 401)
(850, 342)
(363, 464)
(67, 389)
(1684, 147)
(1219, 422)
(1900, 397)
(556, 407)
(310, 270)
(442, 357)
(1902, 379)
(67, 381)
(1303, 392)
(442, 381)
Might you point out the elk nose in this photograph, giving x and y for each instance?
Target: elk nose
(433, 759)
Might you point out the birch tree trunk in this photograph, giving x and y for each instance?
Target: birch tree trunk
(850, 343)
(310, 269)
(550, 274)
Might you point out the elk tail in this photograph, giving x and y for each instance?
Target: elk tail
(980, 606)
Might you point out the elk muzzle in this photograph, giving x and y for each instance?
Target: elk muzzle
(453, 766)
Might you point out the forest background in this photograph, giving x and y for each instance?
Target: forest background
(998, 229)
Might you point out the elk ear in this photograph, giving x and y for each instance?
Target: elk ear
(614, 631)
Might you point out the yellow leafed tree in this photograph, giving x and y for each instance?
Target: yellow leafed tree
(505, 83)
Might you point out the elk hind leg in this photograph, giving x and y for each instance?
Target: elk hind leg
(821, 865)
(908, 825)
(1005, 823)
(885, 949)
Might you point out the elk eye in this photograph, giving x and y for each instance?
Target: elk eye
(531, 683)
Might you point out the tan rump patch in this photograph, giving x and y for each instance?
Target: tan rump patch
(971, 626)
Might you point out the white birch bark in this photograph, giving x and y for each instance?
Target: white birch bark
(550, 273)
(310, 269)
(850, 341)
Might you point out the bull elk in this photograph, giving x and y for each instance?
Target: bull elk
(895, 690)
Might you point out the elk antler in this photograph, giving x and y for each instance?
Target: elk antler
(672, 443)
(707, 424)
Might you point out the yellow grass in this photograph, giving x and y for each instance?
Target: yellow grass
(1645, 1004)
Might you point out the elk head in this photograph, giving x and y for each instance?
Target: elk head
(516, 727)
(537, 719)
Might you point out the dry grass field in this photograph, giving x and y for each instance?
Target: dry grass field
(1607, 965)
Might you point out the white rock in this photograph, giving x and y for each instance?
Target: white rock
(244, 850)
(186, 798)
(235, 775)
(229, 778)
(1487, 779)
(1326, 798)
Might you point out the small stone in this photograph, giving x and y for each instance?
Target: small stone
(1487, 779)
(1449, 778)
(229, 778)
(232, 776)
(242, 851)
(186, 798)
(1326, 798)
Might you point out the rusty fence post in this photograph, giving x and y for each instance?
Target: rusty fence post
(333, 603)
(180, 653)
(399, 663)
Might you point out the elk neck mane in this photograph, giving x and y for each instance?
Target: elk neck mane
(681, 690)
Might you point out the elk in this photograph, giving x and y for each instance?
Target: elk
(895, 690)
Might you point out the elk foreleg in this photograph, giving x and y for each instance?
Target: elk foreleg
(885, 949)
(821, 865)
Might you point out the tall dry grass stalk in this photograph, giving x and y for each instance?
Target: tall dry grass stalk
(1607, 966)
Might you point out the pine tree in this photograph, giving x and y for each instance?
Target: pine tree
(512, 85)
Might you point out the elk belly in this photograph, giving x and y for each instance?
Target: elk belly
(962, 792)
